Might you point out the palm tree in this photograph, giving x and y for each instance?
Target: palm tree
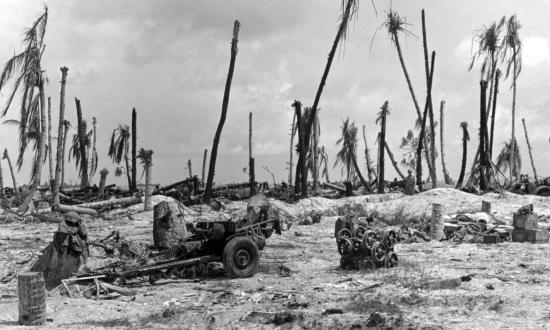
(530, 151)
(349, 11)
(6, 156)
(465, 139)
(488, 51)
(119, 148)
(395, 25)
(146, 159)
(512, 54)
(76, 151)
(381, 118)
(225, 103)
(489, 47)
(442, 144)
(29, 79)
(83, 144)
(60, 148)
(347, 156)
(508, 160)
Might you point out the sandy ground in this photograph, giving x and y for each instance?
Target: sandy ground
(509, 288)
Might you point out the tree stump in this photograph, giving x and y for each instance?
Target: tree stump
(32, 298)
(169, 227)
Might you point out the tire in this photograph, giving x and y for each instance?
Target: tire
(241, 257)
(542, 191)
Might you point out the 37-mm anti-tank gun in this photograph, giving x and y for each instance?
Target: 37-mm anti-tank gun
(236, 244)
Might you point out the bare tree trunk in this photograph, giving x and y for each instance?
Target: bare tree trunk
(40, 154)
(495, 93)
(59, 155)
(189, 168)
(94, 152)
(128, 171)
(1, 181)
(465, 138)
(290, 164)
(367, 157)
(134, 149)
(423, 127)
(429, 85)
(358, 171)
(484, 161)
(204, 166)
(102, 182)
(65, 131)
(442, 144)
(394, 163)
(225, 103)
(413, 95)
(381, 144)
(530, 150)
(148, 177)
(316, 154)
(50, 146)
(7, 157)
(82, 139)
(251, 169)
(513, 142)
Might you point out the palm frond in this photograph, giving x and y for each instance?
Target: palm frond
(145, 157)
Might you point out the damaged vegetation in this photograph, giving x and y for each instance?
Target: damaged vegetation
(362, 252)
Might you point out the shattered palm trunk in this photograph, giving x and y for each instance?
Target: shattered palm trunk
(360, 247)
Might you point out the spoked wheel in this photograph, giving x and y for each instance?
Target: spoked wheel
(241, 257)
(345, 246)
(360, 231)
(344, 233)
(378, 252)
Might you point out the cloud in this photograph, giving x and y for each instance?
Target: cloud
(536, 51)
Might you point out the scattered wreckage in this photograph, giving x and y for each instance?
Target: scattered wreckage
(360, 247)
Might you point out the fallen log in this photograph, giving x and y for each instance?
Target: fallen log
(77, 209)
(118, 289)
(127, 201)
(334, 187)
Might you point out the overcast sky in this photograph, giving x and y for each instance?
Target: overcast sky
(169, 60)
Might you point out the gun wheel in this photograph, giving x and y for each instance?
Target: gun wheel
(241, 257)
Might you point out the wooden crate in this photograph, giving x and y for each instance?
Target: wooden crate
(531, 235)
(491, 239)
(537, 235)
(525, 221)
(518, 235)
